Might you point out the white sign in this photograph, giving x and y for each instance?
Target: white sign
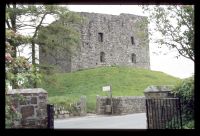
(106, 88)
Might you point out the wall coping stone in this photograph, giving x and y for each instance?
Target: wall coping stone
(123, 96)
(27, 91)
(158, 89)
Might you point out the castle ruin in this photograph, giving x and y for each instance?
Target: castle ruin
(107, 40)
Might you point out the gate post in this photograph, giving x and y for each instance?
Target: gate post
(50, 114)
(153, 94)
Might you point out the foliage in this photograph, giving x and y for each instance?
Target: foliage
(125, 81)
(185, 91)
(189, 125)
(175, 25)
(16, 39)
(19, 74)
(173, 123)
(61, 38)
(33, 17)
(12, 115)
(66, 103)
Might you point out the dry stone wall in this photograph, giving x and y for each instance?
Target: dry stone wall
(33, 107)
(121, 105)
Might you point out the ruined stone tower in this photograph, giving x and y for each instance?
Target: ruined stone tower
(107, 40)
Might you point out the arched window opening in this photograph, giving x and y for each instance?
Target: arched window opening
(102, 57)
(133, 58)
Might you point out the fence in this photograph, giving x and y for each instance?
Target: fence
(164, 113)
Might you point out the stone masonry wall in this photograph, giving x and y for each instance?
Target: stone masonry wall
(33, 108)
(117, 31)
(121, 105)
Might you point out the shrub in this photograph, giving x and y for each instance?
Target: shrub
(189, 125)
(65, 103)
(19, 74)
(185, 91)
(11, 113)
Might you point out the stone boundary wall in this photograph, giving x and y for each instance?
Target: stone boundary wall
(121, 104)
(33, 107)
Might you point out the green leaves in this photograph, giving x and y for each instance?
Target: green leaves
(60, 35)
(175, 25)
(185, 91)
(15, 39)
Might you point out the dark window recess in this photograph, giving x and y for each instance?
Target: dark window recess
(132, 40)
(133, 58)
(100, 37)
(102, 57)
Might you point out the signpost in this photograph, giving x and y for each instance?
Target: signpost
(108, 89)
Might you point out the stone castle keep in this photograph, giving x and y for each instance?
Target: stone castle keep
(106, 40)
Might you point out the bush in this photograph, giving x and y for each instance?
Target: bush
(185, 91)
(65, 103)
(189, 125)
(19, 74)
(11, 113)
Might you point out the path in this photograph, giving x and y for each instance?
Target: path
(131, 121)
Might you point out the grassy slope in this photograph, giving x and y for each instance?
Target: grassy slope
(125, 81)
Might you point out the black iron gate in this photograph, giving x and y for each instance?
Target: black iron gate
(164, 113)
(50, 115)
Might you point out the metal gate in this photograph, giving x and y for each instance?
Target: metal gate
(50, 115)
(164, 113)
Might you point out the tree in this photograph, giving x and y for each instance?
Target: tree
(12, 15)
(185, 91)
(32, 17)
(19, 72)
(175, 24)
(59, 36)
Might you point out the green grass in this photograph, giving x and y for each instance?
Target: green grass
(125, 81)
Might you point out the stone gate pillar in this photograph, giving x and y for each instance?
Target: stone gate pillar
(156, 105)
(33, 107)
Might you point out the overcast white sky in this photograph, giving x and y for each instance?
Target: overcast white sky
(169, 64)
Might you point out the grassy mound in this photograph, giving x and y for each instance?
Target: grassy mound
(125, 81)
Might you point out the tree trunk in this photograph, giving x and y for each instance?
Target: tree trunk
(33, 63)
(33, 52)
(13, 26)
